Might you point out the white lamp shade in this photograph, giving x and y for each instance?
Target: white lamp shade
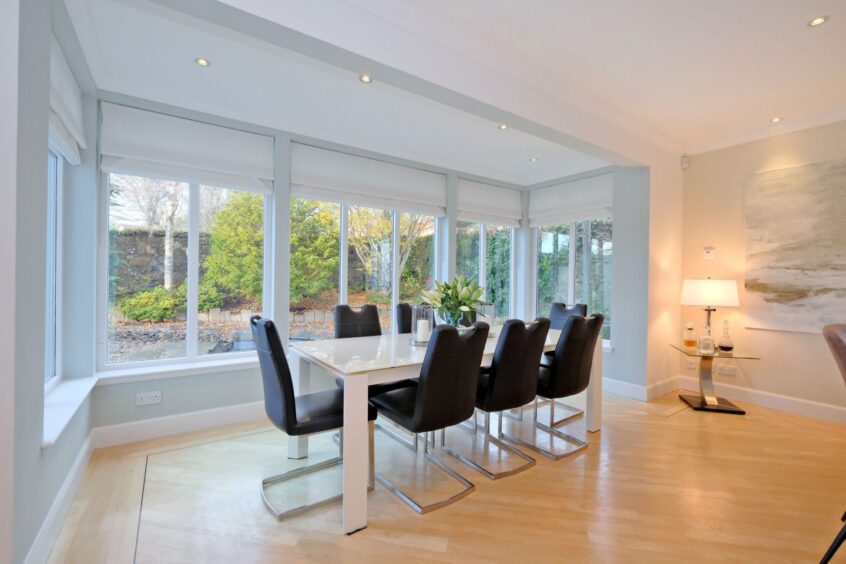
(709, 292)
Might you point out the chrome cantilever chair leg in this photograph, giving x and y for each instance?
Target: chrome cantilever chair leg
(298, 472)
(551, 452)
(489, 438)
(397, 491)
(570, 411)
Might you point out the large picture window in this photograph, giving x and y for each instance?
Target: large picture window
(315, 264)
(52, 309)
(575, 265)
(356, 255)
(487, 259)
(185, 269)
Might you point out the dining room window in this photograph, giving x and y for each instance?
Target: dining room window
(370, 260)
(353, 254)
(185, 269)
(484, 253)
(315, 268)
(52, 352)
(575, 265)
(416, 255)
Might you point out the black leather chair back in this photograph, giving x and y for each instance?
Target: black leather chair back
(513, 375)
(446, 391)
(573, 357)
(361, 323)
(404, 318)
(279, 399)
(559, 313)
(835, 336)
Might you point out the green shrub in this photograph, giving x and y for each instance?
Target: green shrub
(209, 295)
(157, 304)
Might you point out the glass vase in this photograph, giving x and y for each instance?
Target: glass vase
(422, 324)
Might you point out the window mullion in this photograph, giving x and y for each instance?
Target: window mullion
(395, 268)
(193, 274)
(483, 260)
(343, 267)
(571, 271)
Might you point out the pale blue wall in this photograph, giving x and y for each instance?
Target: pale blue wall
(630, 282)
(38, 473)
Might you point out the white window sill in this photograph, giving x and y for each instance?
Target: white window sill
(63, 398)
(61, 403)
(159, 372)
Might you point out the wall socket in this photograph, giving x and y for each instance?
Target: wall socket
(691, 364)
(148, 398)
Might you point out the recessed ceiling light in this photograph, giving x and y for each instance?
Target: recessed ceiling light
(818, 21)
(503, 126)
(366, 78)
(202, 62)
(775, 119)
(533, 159)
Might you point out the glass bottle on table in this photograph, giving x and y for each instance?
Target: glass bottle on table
(726, 344)
(688, 336)
(705, 346)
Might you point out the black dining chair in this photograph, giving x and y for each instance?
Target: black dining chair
(510, 382)
(567, 375)
(298, 415)
(403, 318)
(444, 395)
(356, 322)
(559, 313)
(835, 336)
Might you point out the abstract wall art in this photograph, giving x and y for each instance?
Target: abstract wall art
(796, 247)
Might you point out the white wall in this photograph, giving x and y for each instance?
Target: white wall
(9, 20)
(796, 365)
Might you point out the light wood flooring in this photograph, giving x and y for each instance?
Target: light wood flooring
(659, 483)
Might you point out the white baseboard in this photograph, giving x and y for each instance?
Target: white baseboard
(665, 386)
(807, 408)
(627, 389)
(52, 525)
(145, 429)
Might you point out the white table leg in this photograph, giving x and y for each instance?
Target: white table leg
(593, 410)
(355, 453)
(301, 377)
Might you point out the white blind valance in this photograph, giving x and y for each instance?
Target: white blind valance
(143, 143)
(322, 174)
(590, 198)
(66, 131)
(485, 203)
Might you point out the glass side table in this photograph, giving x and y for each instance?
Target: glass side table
(708, 400)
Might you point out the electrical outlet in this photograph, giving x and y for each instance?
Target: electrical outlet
(727, 370)
(148, 398)
(691, 364)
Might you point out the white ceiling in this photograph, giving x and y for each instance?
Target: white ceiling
(699, 75)
(142, 49)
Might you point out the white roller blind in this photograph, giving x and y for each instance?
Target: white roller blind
(590, 198)
(139, 142)
(322, 174)
(67, 134)
(485, 203)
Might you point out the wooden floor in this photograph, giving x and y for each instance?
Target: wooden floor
(660, 483)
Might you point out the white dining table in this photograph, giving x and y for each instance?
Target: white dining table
(365, 361)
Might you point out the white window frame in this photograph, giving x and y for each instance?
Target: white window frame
(343, 249)
(483, 264)
(571, 268)
(193, 280)
(53, 286)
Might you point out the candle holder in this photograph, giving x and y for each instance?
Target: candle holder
(422, 324)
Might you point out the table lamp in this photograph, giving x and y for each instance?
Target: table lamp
(709, 293)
